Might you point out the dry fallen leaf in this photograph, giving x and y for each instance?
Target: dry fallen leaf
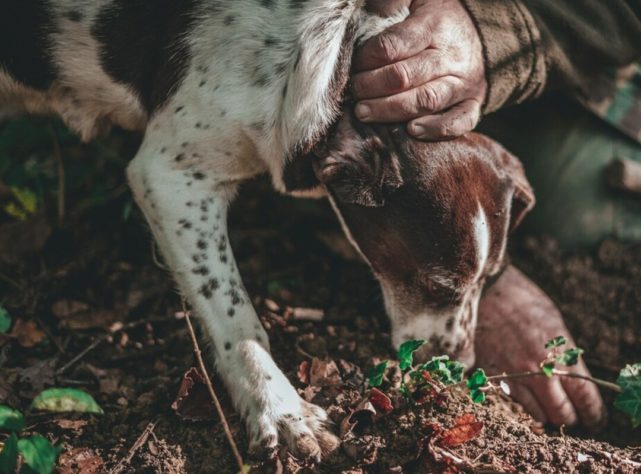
(381, 402)
(27, 333)
(80, 461)
(193, 401)
(77, 315)
(467, 427)
(74, 425)
(303, 372)
(361, 416)
(21, 239)
(324, 373)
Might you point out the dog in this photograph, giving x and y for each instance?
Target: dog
(224, 90)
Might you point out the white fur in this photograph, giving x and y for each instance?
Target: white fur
(481, 232)
(225, 126)
(272, 409)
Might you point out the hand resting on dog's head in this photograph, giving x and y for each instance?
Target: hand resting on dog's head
(431, 219)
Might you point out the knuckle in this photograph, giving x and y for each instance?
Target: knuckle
(427, 99)
(399, 76)
(389, 46)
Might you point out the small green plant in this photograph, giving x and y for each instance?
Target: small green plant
(23, 205)
(38, 454)
(432, 379)
(5, 321)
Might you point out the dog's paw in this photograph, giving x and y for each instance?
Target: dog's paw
(305, 430)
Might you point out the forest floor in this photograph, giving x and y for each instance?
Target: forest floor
(93, 309)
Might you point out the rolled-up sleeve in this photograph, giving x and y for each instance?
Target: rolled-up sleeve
(534, 45)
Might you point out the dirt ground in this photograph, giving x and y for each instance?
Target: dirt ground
(94, 309)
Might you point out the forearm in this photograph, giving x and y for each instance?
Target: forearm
(534, 45)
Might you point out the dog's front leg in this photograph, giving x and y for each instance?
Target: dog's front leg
(186, 209)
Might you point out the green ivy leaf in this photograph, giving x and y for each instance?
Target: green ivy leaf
(556, 342)
(406, 351)
(441, 368)
(548, 368)
(10, 419)
(570, 356)
(629, 400)
(66, 400)
(25, 206)
(477, 380)
(375, 375)
(9, 455)
(477, 396)
(5, 320)
(38, 453)
(629, 375)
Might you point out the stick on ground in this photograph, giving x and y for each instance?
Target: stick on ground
(142, 439)
(212, 393)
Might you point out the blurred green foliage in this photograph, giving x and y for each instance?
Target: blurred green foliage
(29, 167)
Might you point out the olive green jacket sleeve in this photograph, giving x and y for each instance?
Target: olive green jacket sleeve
(534, 45)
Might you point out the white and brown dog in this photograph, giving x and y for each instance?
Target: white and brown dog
(227, 89)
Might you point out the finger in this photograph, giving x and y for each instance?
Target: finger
(427, 99)
(456, 121)
(524, 396)
(398, 42)
(386, 7)
(554, 401)
(586, 398)
(421, 68)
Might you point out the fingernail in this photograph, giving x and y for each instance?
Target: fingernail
(362, 111)
(416, 129)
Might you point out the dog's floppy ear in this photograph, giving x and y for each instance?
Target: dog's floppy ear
(523, 199)
(358, 170)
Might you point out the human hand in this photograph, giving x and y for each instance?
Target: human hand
(516, 319)
(427, 70)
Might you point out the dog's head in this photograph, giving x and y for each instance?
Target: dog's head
(431, 219)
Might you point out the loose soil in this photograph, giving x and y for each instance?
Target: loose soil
(70, 284)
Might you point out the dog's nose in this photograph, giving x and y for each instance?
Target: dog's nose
(466, 354)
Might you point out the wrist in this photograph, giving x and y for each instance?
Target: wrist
(514, 63)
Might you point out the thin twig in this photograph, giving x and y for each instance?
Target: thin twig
(100, 339)
(83, 353)
(559, 373)
(142, 439)
(50, 335)
(212, 393)
(61, 175)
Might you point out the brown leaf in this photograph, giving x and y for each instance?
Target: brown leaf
(38, 374)
(381, 402)
(467, 427)
(108, 379)
(21, 239)
(80, 461)
(303, 372)
(360, 417)
(324, 373)
(27, 333)
(193, 402)
(74, 425)
(77, 315)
